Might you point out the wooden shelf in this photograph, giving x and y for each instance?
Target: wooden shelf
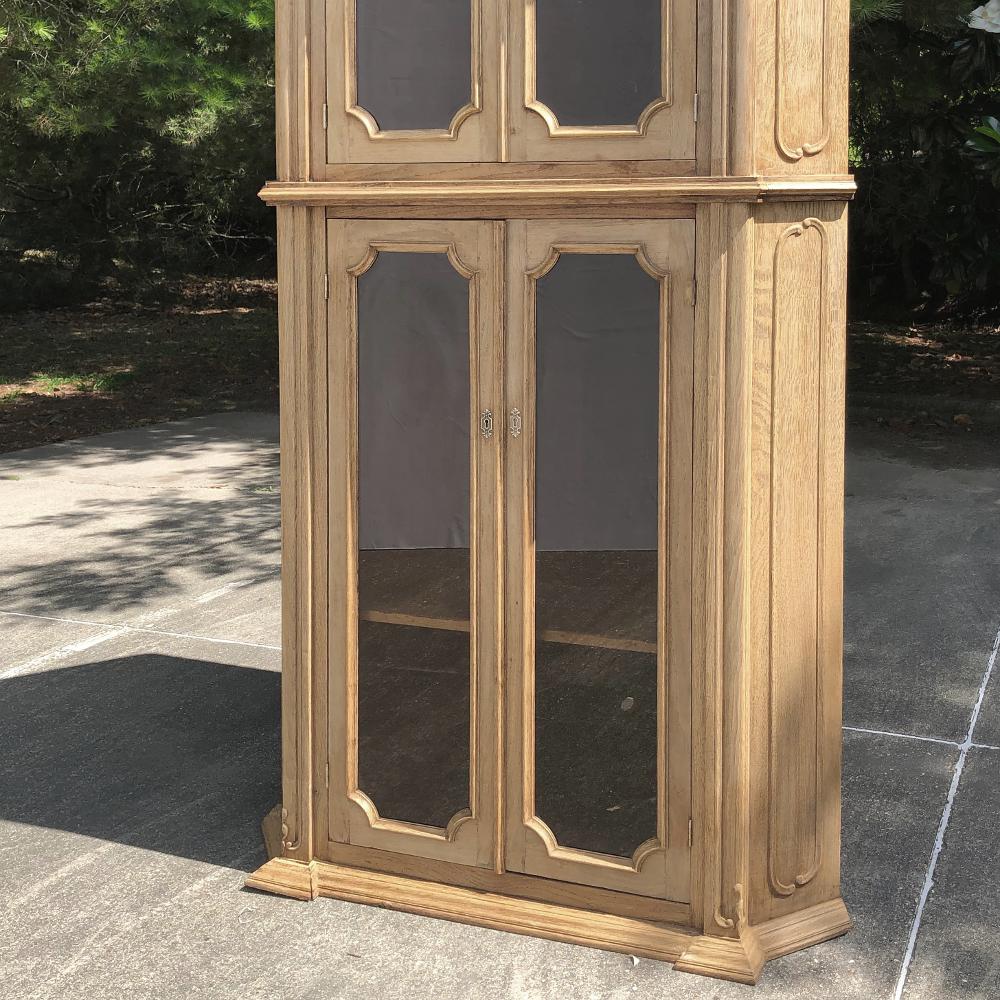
(603, 600)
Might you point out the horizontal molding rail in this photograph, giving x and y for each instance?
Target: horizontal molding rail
(510, 197)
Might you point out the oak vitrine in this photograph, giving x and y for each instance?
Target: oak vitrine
(561, 296)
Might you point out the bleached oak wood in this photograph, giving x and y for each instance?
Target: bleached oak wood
(739, 960)
(517, 197)
(665, 250)
(747, 206)
(513, 883)
(796, 539)
(472, 249)
(304, 515)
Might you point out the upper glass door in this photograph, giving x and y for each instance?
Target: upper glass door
(414, 539)
(602, 79)
(481, 81)
(411, 82)
(600, 382)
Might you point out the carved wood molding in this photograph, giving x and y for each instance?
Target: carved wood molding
(787, 886)
(374, 248)
(547, 841)
(509, 197)
(790, 150)
(367, 812)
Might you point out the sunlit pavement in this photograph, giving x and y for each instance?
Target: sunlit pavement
(139, 660)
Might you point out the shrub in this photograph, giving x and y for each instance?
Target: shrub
(925, 228)
(133, 137)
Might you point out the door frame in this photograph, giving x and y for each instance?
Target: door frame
(346, 815)
(665, 249)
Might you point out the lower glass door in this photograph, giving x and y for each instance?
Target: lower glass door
(414, 528)
(600, 382)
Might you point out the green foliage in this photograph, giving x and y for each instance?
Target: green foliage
(866, 11)
(135, 133)
(133, 137)
(926, 225)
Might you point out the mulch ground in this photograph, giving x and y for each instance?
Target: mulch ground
(925, 377)
(69, 373)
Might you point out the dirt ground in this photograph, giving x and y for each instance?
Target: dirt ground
(69, 373)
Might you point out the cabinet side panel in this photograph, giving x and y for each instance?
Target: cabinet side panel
(802, 85)
(797, 562)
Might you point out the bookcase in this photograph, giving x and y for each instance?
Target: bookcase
(562, 323)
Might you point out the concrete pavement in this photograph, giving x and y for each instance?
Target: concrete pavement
(139, 664)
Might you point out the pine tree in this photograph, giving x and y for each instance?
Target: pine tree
(133, 133)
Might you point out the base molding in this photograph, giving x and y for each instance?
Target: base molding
(822, 922)
(629, 935)
(285, 877)
(738, 959)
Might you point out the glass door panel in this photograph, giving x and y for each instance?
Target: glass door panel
(598, 64)
(414, 62)
(603, 79)
(412, 82)
(597, 361)
(601, 338)
(413, 496)
(413, 523)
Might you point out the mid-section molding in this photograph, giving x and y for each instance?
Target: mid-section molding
(500, 197)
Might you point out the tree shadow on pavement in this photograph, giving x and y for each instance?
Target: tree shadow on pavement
(114, 556)
(160, 752)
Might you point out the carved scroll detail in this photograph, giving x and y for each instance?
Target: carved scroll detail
(286, 845)
(790, 150)
(785, 886)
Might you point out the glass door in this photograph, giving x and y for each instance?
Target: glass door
(599, 386)
(414, 539)
(602, 79)
(412, 82)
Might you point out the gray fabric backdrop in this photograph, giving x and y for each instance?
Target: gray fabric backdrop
(598, 371)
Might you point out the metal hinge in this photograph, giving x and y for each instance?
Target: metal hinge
(326, 116)
(694, 291)
(327, 774)
(326, 287)
(486, 424)
(696, 97)
(690, 833)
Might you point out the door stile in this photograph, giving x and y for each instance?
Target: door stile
(519, 542)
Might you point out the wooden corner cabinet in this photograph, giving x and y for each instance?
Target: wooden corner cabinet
(562, 320)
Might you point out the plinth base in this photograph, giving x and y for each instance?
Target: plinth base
(739, 959)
